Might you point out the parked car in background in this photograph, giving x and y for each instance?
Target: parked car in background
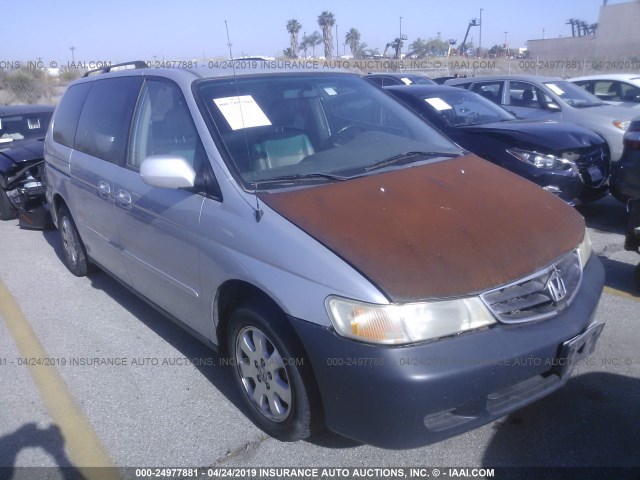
(330, 242)
(386, 79)
(551, 98)
(23, 122)
(563, 158)
(22, 193)
(625, 175)
(22, 189)
(442, 80)
(614, 88)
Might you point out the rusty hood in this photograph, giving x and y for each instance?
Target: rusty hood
(440, 230)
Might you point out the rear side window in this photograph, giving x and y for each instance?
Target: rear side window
(68, 113)
(103, 128)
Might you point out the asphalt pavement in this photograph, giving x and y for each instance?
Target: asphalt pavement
(123, 386)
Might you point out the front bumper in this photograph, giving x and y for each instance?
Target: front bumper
(405, 397)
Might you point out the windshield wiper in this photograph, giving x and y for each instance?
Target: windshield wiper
(301, 176)
(407, 156)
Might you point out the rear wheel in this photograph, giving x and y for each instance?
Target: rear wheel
(270, 370)
(75, 254)
(7, 210)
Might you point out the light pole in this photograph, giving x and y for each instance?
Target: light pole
(400, 41)
(506, 45)
(337, 43)
(73, 57)
(480, 40)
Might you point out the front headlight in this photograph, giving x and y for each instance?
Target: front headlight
(622, 125)
(408, 323)
(584, 249)
(540, 160)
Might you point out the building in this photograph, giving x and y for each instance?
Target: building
(617, 36)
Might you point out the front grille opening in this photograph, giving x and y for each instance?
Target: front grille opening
(542, 295)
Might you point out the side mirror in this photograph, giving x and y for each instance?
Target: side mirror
(167, 171)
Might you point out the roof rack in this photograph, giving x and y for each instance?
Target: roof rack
(119, 66)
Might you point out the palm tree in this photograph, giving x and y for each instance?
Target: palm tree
(352, 38)
(304, 45)
(314, 39)
(326, 21)
(293, 27)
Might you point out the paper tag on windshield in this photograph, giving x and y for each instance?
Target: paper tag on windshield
(555, 89)
(242, 112)
(438, 104)
(406, 81)
(330, 91)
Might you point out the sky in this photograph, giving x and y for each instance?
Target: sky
(122, 30)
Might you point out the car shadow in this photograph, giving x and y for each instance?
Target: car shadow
(588, 423)
(620, 276)
(605, 215)
(29, 435)
(212, 365)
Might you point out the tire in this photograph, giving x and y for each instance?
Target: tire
(74, 252)
(7, 210)
(276, 392)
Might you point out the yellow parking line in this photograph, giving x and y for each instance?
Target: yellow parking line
(620, 293)
(82, 443)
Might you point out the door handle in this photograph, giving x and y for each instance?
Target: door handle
(123, 199)
(104, 189)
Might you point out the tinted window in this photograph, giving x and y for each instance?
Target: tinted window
(104, 123)
(376, 80)
(68, 113)
(489, 90)
(163, 126)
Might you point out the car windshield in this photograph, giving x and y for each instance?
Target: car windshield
(21, 126)
(284, 129)
(573, 95)
(460, 107)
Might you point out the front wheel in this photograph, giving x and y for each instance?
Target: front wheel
(270, 370)
(7, 210)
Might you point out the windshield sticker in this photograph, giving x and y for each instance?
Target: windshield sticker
(241, 112)
(438, 104)
(555, 89)
(33, 124)
(330, 91)
(406, 81)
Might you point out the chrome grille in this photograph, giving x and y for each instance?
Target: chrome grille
(538, 296)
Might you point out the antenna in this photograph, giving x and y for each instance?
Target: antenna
(229, 45)
(259, 213)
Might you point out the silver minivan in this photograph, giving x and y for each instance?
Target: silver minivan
(359, 269)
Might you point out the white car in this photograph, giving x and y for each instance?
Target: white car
(614, 88)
